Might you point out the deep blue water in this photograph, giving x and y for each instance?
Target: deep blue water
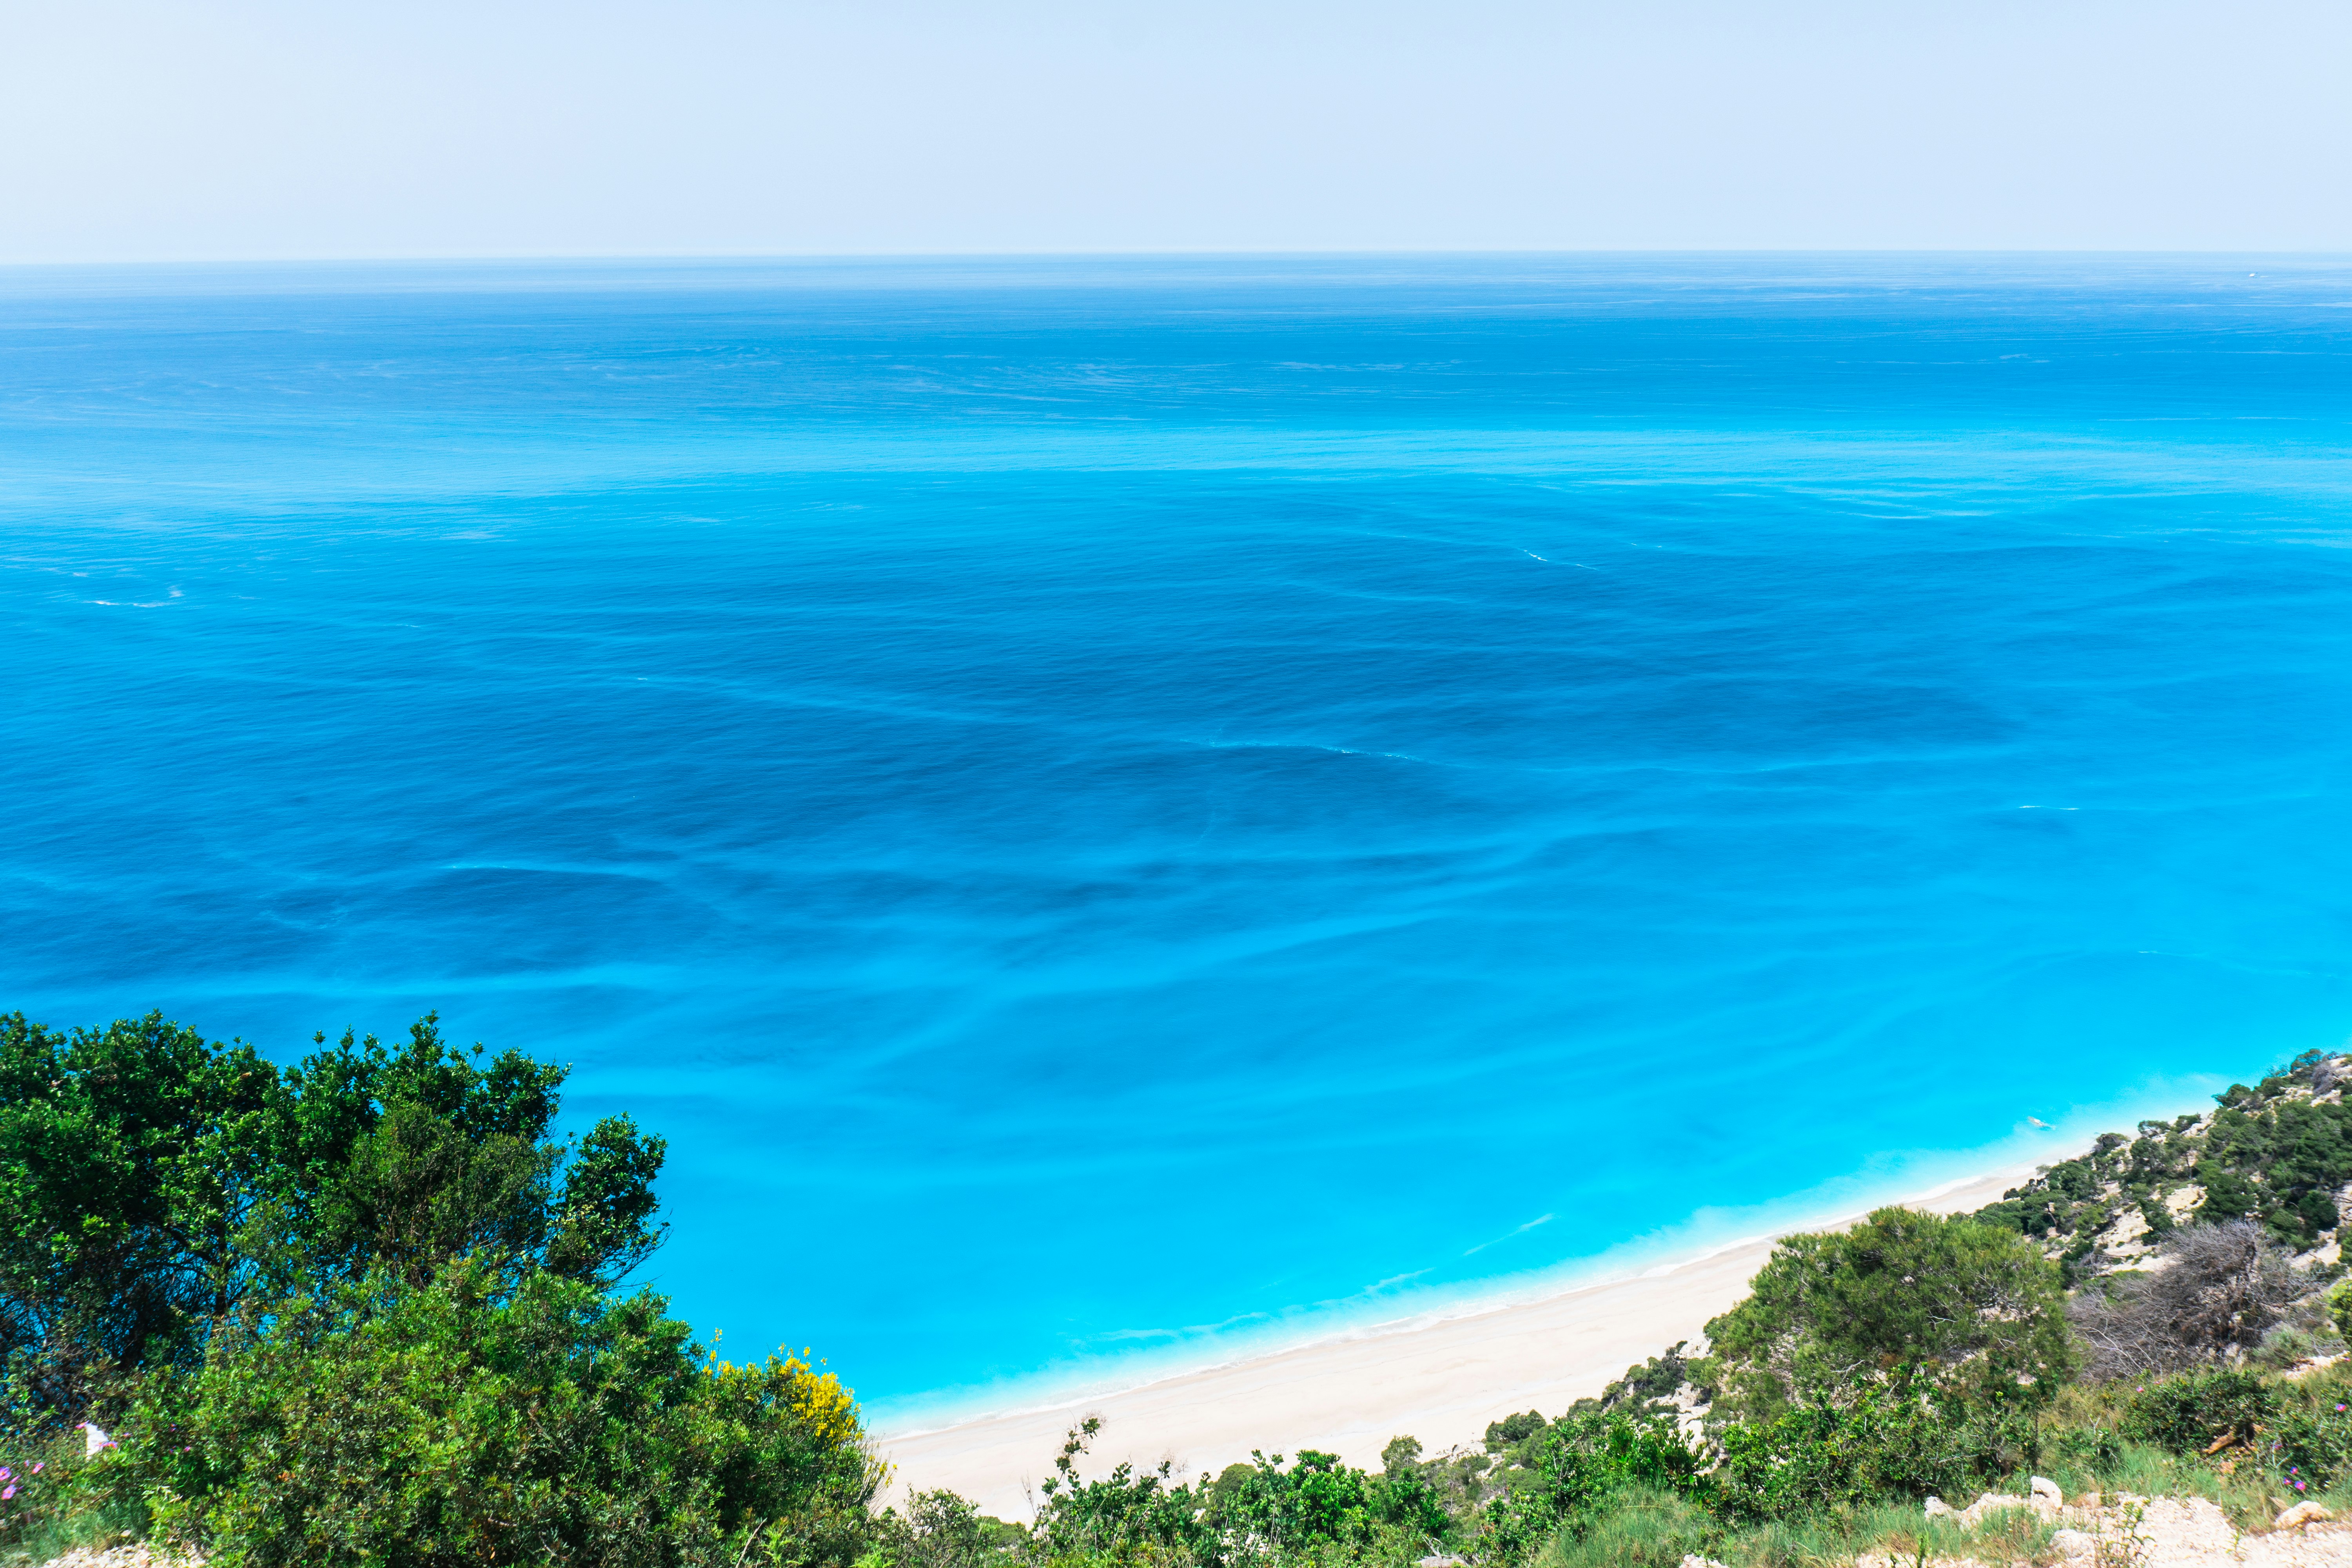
(1093, 800)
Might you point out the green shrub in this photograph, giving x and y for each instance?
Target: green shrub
(941, 1529)
(52, 1498)
(2189, 1413)
(2286, 1345)
(1643, 1529)
(1579, 1465)
(449, 1424)
(156, 1182)
(2087, 1448)
(1317, 1510)
(1972, 1306)
(2340, 1306)
(1319, 1501)
(1878, 1439)
(2312, 1449)
(1126, 1516)
(1513, 1429)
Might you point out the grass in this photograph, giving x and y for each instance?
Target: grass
(1650, 1530)
(50, 1516)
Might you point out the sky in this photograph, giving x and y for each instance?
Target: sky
(251, 129)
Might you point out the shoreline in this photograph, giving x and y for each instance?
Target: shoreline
(1439, 1376)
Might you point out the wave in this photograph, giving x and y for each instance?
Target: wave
(1397, 1306)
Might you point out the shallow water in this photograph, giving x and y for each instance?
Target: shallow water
(1101, 804)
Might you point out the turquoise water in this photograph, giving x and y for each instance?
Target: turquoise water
(1105, 804)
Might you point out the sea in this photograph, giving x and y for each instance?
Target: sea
(1115, 812)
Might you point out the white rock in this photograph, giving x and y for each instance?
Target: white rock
(2045, 1489)
(1939, 1509)
(2302, 1513)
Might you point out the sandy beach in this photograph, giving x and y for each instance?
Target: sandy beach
(1441, 1381)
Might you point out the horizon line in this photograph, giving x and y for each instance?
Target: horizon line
(1109, 253)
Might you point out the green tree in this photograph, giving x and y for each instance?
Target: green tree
(1966, 1305)
(1580, 1464)
(1878, 1438)
(941, 1529)
(131, 1160)
(468, 1421)
(1128, 1516)
(155, 1182)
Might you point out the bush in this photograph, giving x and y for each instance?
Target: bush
(1513, 1429)
(1125, 1516)
(2286, 1346)
(941, 1529)
(2223, 1288)
(1643, 1529)
(2192, 1413)
(156, 1182)
(53, 1497)
(2313, 1448)
(2339, 1305)
(449, 1424)
(1320, 1501)
(1971, 1306)
(1888, 1438)
(1579, 1463)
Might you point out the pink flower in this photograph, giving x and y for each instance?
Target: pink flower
(37, 1465)
(6, 1492)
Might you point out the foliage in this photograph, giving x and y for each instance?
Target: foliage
(2338, 1306)
(940, 1530)
(1125, 1516)
(1513, 1430)
(1967, 1304)
(1581, 1461)
(1641, 1529)
(53, 1497)
(1319, 1501)
(2189, 1413)
(364, 1309)
(129, 1158)
(1644, 1383)
(2312, 1448)
(2275, 1154)
(156, 1182)
(1879, 1438)
(1317, 1508)
(458, 1422)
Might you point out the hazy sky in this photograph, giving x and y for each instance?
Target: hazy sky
(351, 128)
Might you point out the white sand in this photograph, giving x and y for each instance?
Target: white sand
(1440, 1381)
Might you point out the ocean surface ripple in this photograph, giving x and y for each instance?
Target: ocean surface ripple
(1105, 804)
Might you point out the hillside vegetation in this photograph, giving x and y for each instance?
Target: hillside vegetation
(370, 1310)
(2279, 1153)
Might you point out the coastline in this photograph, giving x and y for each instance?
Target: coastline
(1440, 1378)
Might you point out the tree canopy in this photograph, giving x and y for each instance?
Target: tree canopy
(1967, 1304)
(154, 1180)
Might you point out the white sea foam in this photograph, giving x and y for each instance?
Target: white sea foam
(1396, 1306)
